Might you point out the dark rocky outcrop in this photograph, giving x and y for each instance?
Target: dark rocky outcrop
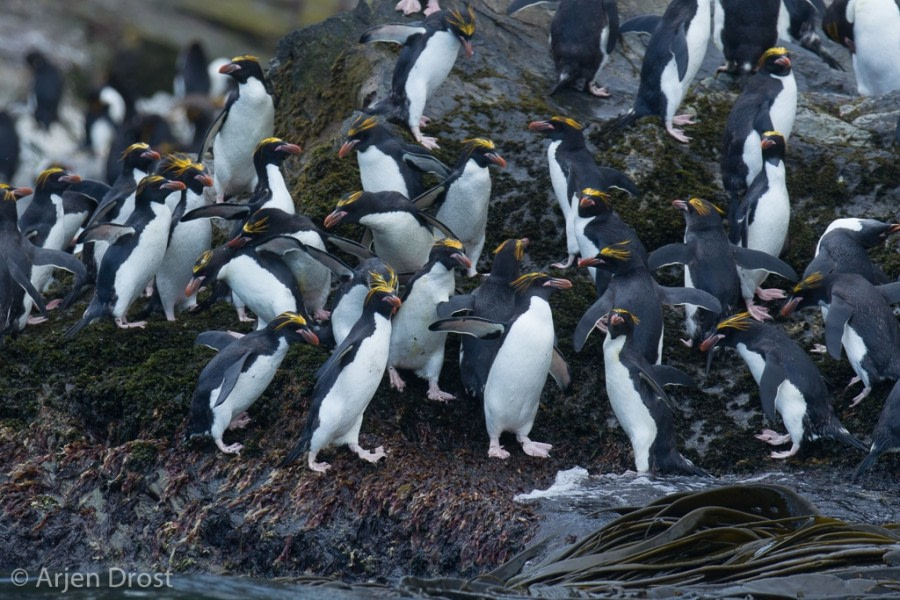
(92, 466)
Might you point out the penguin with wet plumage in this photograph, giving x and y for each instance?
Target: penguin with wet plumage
(789, 383)
(413, 346)
(136, 249)
(386, 162)
(248, 117)
(347, 381)
(428, 54)
(524, 358)
(636, 391)
(858, 317)
(886, 435)
(239, 374)
(583, 35)
(710, 264)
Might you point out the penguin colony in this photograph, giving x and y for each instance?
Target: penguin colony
(149, 229)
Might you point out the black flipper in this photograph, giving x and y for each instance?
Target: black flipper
(641, 24)
(397, 33)
(612, 16)
(600, 308)
(211, 135)
(620, 181)
(104, 232)
(650, 378)
(890, 292)
(772, 377)
(518, 5)
(426, 163)
(434, 222)
(427, 198)
(680, 50)
(230, 378)
(217, 340)
(479, 327)
(21, 278)
(60, 260)
(838, 315)
(349, 246)
(559, 370)
(670, 254)
(755, 259)
(456, 304)
(667, 375)
(681, 295)
(282, 244)
(222, 210)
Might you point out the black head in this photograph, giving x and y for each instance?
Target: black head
(382, 296)
(867, 232)
(593, 202)
(180, 167)
(775, 61)
(508, 258)
(730, 331)
(837, 26)
(539, 284)
(273, 151)
(620, 321)
(8, 196)
(483, 152)
(155, 188)
(207, 267)
(363, 132)
(139, 156)
(559, 128)
(242, 68)
(773, 146)
(462, 24)
(700, 213)
(55, 180)
(615, 258)
(293, 328)
(810, 291)
(356, 205)
(450, 253)
(36, 60)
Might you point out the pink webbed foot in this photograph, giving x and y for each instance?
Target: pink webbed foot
(683, 120)
(240, 421)
(232, 449)
(820, 349)
(759, 313)
(859, 398)
(856, 378)
(770, 294)
(432, 7)
(427, 142)
(372, 456)
(423, 121)
(678, 134)
(786, 453)
(35, 320)
(318, 467)
(122, 323)
(772, 438)
(321, 314)
(396, 381)
(435, 393)
(495, 450)
(53, 304)
(539, 449)
(242, 315)
(565, 264)
(408, 7)
(596, 90)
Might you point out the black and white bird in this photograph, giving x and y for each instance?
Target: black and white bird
(583, 35)
(843, 248)
(886, 435)
(9, 147)
(429, 52)
(351, 296)
(789, 383)
(46, 89)
(239, 374)
(248, 117)
(526, 355)
(413, 346)
(347, 381)
(387, 163)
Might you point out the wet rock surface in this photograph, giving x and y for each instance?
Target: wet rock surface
(93, 470)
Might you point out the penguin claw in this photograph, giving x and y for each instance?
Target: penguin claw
(538, 449)
(497, 451)
(408, 7)
(231, 449)
(435, 393)
(678, 134)
(683, 120)
(318, 467)
(759, 313)
(856, 379)
(121, 323)
(859, 398)
(322, 315)
(35, 320)
(600, 92)
(429, 143)
(819, 349)
(785, 453)
(773, 438)
(396, 381)
(372, 456)
(423, 121)
(689, 343)
(770, 294)
(53, 304)
(570, 259)
(240, 421)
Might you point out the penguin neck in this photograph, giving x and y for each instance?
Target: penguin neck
(775, 171)
(612, 346)
(570, 143)
(194, 199)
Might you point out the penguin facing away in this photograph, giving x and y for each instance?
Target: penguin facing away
(789, 383)
(870, 29)
(524, 358)
(886, 435)
(239, 374)
(742, 31)
(413, 345)
(347, 381)
(429, 52)
(583, 35)
(636, 392)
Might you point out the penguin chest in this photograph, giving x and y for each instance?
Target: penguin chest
(751, 156)
(877, 36)
(250, 119)
(558, 178)
(142, 262)
(412, 343)
(399, 239)
(279, 197)
(671, 85)
(791, 405)
(433, 64)
(755, 361)
(344, 403)
(261, 289)
(856, 350)
(250, 385)
(627, 403)
(465, 209)
(379, 172)
(347, 312)
(784, 107)
(768, 226)
(512, 391)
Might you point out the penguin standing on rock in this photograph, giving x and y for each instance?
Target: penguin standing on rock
(789, 383)
(347, 381)
(465, 194)
(136, 250)
(524, 358)
(742, 31)
(583, 35)
(429, 52)
(767, 103)
(673, 57)
(386, 162)
(761, 221)
(710, 262)
(248, 117)
(413, 346)
(886, 435)
(636, 392)
(239, 374)
(842, 248)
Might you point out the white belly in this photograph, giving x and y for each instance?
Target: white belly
(249, 121)
(856, 352)
(347, 313)
(413, 345)
(189, 240)
(465, 209)
(877, 37)
(784, 108)
(558, 179)
(768, 231)
(281, 197)
(791, 405)
(429, 71)
(260, 290)
(400, 240)
(755, 362)
(379, 172)
(140, 266)
(631, 412)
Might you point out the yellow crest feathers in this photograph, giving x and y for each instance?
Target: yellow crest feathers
(266, 142)
(479, 143)
(260, 225)
(289, 318)
(362, 123)
(568, 121)
(524, 282)
(378, 283)
(617, 251)
(349, 199)
(627, 313)
(135, 147)
(203, 260)
(811, 281)
(449, 243)
(519, 251)
(740, 322)
(703, 206)
(46, 173)
(245, 57)
(464, 22)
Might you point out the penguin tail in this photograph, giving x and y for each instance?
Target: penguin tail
(674, 462)
(565, 78)
(866, 463)
(619, 124)
(301, 447)
(94, 311)
(838, 432)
